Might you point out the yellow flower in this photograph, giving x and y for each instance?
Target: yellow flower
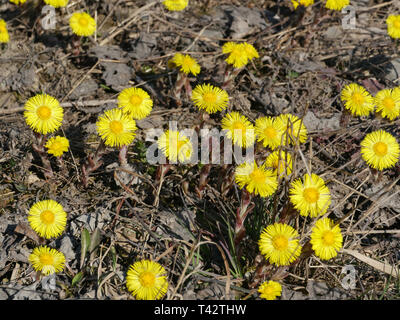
(4, 36)
(147, 280)
(294, 130)
(116, 128)
(326, 239)
(337, 4)
(57, 3)
(136, 102)
(251, 52)
(239, 129)
(282, 160)
(257, 180)
(175, 5)
(387, 102)
(18, 1)
(175, 146)
(43, 113)
(357, 100)
(186, 63)
(393, 26)
(47, 260)
(47, 218)
(57, 146)
(269, 131)
(209, 98)
(278, 243)
(237, 54)
(311, 197)
(304, 3)
(269, 290)
(380, 150)
(82, 24)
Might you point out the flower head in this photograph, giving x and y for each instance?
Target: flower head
(47, 260)
(357, 100)
(82, 24)
(209, 98)
(135, 102)
(393, 26)
(175, 5)
(387, 102)
(186, 63)
(380, 150)
(239, 129)
(257, 180)
(269, 131)
(175, 146)
(281, 162)
(43, 113)
(278, 243)
(57, 3)
(18, 1)
(147, 280)
(239, 53)
(116, 128)
(57, 146)
(47, 218)
(294, 130)
(312, 197)
(4, 36)
(269, 290)
(304, 3)
(337, 4)
(326, 239)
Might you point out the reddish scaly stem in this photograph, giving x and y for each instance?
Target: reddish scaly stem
(245, 208)
(92, 163)
(123, 156)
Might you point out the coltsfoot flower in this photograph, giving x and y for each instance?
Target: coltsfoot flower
(281, 162)
(239, 129)
(393, 26)
(147, 280)
(257, 180)
(380, 150)
(294, 130)
(186, 63)
(304, 3)
(337, 4)
(311, 197)
(387, 102)
(279, 244)
(57, 146)
(357, 100)
(116, 128)
(4, 36)
(209, 98)
(43, 113)
(82, 24)
(239, 53)
(56, 3)
(175, 146)
(135, 102)
(269, 131)
(269, 290)
(47, 218)
(175, 5)
(47, 260)
(326, 239)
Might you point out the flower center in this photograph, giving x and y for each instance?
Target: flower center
(135, 100)
(209, 97)
(47, 217)
(270, 132)
(388, 102)
(258, 176)
(311, 195)
(46, 259)
(56, 146)
(116, 126)
(396, 24)
(358, 98)
(83, 22)
(188, 62)
(280, 243)
(328, 238)
(43, 112)
(147, 279)
(380, 149)
(237, 125)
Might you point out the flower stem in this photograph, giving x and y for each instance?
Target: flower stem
(245, 208)
(39, 148)
(92, 163)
